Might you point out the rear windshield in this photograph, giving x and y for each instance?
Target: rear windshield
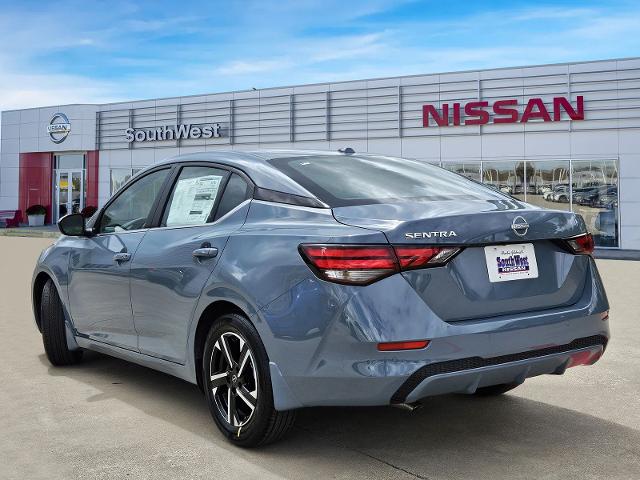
(342, 180)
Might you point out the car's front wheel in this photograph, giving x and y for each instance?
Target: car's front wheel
(54, 335)
(238, 384)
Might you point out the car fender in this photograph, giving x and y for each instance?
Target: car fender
(283, 397)
(56, 270)
(213, 292)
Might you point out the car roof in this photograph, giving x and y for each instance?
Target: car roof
(255, 163)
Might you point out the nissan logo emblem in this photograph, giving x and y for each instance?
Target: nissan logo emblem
(59, 128)
(520, 226)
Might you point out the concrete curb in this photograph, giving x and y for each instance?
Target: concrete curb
(26, 232)
(607, 254)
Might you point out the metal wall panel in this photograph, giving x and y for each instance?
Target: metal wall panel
(381, 109)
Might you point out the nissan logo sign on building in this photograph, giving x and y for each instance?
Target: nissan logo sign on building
(504, 111)
(59, 128)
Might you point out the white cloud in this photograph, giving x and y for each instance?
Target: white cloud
(132, 52)
(19, 90)
(341, 48)
(244, 67)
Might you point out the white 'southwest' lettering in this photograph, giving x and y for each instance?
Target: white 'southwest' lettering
(173, 132)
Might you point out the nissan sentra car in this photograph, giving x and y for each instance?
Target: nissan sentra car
(290, 279)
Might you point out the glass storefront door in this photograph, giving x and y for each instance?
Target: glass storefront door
(69, 192)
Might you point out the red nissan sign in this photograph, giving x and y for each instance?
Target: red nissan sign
(504, 111)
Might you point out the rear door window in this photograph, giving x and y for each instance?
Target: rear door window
(236, 192)
(194, 196)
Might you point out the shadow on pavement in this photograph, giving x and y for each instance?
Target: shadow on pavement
(454, 436)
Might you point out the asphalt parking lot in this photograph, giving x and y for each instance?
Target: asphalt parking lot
(109, 419)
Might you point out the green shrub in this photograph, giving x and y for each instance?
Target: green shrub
(36, 210)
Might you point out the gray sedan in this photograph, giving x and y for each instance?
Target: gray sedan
(289, 279)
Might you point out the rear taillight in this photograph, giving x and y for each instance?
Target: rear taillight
(582, 244)
(421, 257)
(353, 264)
(364, 264)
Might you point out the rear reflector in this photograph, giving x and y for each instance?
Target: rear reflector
(587, 357)
(364, 264)
(410, 345)
(582, 245)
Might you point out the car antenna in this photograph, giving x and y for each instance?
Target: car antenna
(347, 150)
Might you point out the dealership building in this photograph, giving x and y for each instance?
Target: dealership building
(564, 136)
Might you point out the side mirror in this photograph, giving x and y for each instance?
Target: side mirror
(73, 225)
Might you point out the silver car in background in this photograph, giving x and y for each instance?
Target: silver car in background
(290, 279)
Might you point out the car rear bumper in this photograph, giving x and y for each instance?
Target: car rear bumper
(324, 352)
(466, 375)
(457, 364)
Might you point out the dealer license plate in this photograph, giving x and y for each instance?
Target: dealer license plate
(511, 262)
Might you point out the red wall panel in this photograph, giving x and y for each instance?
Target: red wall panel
(35, 182)
(92, 178)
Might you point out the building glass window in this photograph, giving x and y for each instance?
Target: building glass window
(507, 177)
(595, 197)
(548, 184)
(120, 176)
(470, 170)
(587, 187)
(69, 161)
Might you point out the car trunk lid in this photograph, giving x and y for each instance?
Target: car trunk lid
(462, 289)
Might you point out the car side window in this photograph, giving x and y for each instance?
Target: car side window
(236, 192)
(130, 210)
(194, 196)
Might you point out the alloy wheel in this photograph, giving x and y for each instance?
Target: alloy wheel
(233, 379)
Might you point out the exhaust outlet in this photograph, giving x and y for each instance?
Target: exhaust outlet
(407, 406)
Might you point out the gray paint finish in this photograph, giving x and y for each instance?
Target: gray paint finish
(321, 337)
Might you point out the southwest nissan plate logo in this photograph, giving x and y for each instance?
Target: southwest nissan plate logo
(520, 226)
(59, 128)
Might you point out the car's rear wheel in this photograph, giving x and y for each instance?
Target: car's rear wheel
(493, 390)
(54, 335)
(238, 384)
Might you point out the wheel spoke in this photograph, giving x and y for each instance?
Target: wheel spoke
(247, 397)
(244, 356)
(227, 352)
(233, 379)
(218, 379)
(231, 408)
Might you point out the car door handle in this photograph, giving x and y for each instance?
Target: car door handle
(207, 252)
(122, 257)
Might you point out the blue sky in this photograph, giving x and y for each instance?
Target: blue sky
(70, 51)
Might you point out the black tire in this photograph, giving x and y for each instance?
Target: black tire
(494, 390)
(54, 335)
(251, 427)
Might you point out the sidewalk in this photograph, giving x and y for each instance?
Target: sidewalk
(48, 231)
